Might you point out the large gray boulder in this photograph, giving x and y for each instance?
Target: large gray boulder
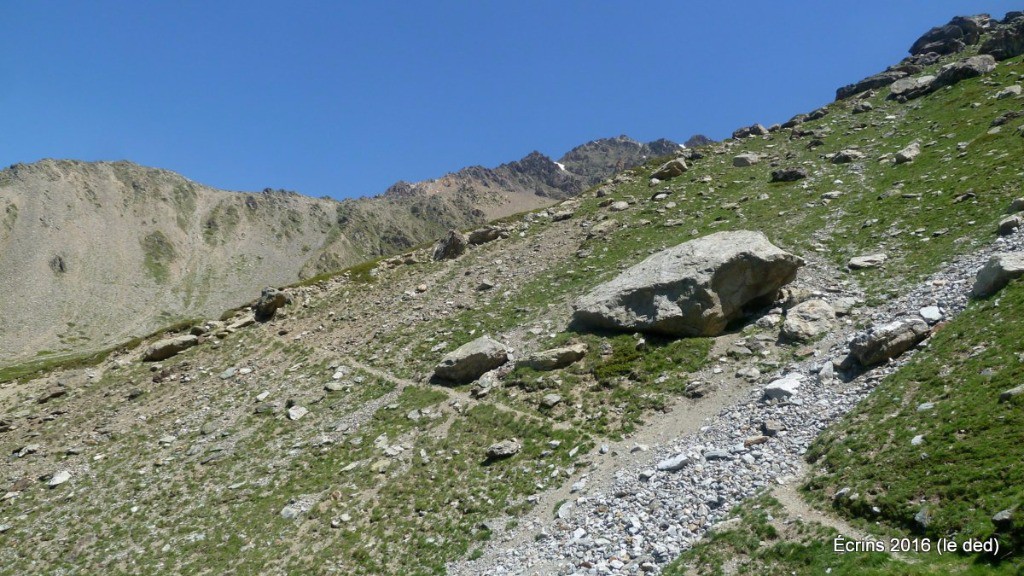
(888, 341)
(164, 349)
(693, 289)
(471, 360)
(997, 273)
(808, 320)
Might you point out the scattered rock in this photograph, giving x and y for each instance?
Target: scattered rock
(670, 169)
(504, 449)
(997, 273)
(619, 206)
(888, 341)
(674, 464)
(471, 360)
(1009, 92)
(905, 88)
(1012, 393)
(868, 261)
(746, 159)
(782, 388)
(880, 80)
(771, 428)
(1009, 225)
(59, 478)
(484, 235)
(163, 349)
(555, 358)
(1003, 520)
(789, 174)
(270, 300)
(913, 150)
(297, 412)
(808, 320)
(847, 156)
(931, 314)
(52, 393)
(291, 512)
(748, 131)
(692, 289)
(862, 107)
(451, 246)
(550, 401)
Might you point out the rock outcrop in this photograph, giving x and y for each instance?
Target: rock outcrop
(693, 289)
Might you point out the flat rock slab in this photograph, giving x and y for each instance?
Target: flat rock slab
(163, 349)
(555, 358)
(693, 289)
(868, 261)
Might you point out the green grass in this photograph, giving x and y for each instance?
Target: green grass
(766, 540)
(969, 464)
(158, 254)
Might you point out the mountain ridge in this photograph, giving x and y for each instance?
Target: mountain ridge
(188, 250)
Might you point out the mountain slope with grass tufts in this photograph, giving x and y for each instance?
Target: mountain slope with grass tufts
(872, 398)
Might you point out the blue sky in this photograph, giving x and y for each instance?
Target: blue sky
(345, 98)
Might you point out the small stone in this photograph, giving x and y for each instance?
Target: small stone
(59, 478)
(673, 464)
(783, 388)
(1012, 393)
(931, 314)
(550, 400)
(291, 512)
(504, 449)
(297, 412)
(917, 440)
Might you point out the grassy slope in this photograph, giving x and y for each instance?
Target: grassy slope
(971, 463)
(427, 513)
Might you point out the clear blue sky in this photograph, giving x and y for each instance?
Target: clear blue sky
(344, 98)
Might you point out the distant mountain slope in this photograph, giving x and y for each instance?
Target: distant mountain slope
(92, 253)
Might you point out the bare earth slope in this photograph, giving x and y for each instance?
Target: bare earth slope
(94, 253)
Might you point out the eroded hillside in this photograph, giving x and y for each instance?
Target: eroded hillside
(94, 253)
